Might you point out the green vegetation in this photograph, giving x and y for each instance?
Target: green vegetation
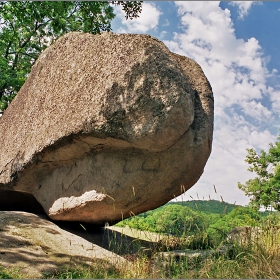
(241, 216)
(210, 206)
(28, 27)
(251, 254)
(6, 273)
(256, 257)
(178, 219)
(264, 189)
(169, 219)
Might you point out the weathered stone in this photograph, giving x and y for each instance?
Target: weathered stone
(164, 264)
(35, 245)
(107, 126)
(244, 235)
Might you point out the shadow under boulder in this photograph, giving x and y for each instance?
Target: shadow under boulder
(114, 241)
(19, 201)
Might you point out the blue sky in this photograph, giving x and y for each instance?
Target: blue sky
(237, 45)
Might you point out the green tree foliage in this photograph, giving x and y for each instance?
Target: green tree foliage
(28, 27)
(205, 227)
(170, 219)
(264, 189)
(241, 216)
(208, 206)
(178, 220)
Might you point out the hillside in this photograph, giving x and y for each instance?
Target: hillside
(208, 206)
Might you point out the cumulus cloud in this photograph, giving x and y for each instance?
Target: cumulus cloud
(147, 20)
(235, 68)
(275, 98)
(237, 72)
(243, 7)
(246, 107)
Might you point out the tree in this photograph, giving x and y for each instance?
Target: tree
(178, 220)
(264, 189)
(240, 216)
(169, 219)
(28, 27)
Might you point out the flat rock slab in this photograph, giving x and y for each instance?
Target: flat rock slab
(107, 126)
(35, 245)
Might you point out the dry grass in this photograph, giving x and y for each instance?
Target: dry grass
(257, 257)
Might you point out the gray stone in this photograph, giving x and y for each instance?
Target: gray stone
(163, 264)
(107, 126)
(244, 235)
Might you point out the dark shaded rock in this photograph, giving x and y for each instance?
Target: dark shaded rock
(19, 201)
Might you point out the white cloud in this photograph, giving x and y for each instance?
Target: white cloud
(238, 75)
(243, 7)
(226, 165)
(237, 72)
(147, 20)
(166, 22)
(234, 67)
(275, 98)
(257, 110)
(162, 34)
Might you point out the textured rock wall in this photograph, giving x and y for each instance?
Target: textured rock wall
(106, 126)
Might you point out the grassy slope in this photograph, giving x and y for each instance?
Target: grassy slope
(208, 206)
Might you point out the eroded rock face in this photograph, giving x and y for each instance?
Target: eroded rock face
(107, 126)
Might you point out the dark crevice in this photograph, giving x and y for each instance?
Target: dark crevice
(19, 201)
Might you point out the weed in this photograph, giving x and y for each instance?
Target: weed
(9, 273)
(97, 270)
(248, 252)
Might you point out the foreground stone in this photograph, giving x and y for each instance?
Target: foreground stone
(164, 264)
(244, 235)
(34, 246)
(107, 126)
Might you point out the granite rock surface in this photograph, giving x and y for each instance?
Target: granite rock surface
(107, 126)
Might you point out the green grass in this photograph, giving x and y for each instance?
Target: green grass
(9, 273)
(255, 258)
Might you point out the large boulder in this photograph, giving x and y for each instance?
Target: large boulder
(107, 126)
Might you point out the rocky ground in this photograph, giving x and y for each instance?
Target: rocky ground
(36, 245)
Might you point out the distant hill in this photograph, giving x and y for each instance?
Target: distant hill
(208, 206)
